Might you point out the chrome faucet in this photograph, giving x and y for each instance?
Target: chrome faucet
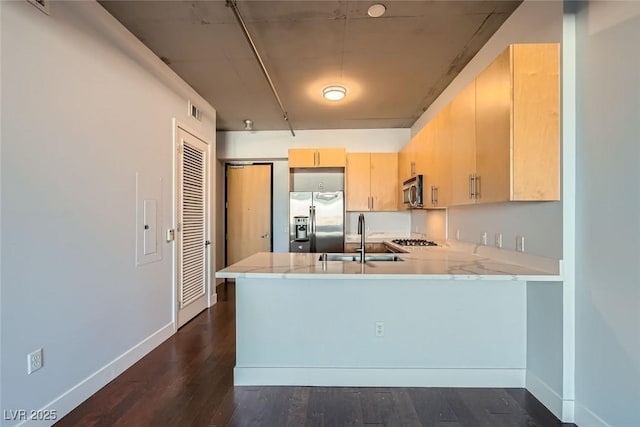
(361, 232)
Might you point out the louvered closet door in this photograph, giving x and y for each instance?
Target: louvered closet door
(192, 230)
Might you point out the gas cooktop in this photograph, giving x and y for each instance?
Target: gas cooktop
(413, 242)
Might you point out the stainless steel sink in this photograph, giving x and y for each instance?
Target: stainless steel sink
(382, 257)
(355, 258)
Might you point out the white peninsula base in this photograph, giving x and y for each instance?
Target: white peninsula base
(444, 333)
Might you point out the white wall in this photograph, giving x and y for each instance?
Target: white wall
(220, 216)
(608, 231)
(274, 144)
(281, 206)
(431, 223)
(377, 222)
(539, 223)
(84, 107)
(544, 344)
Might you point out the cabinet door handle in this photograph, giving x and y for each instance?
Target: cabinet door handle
(318, 158)
(436, 192)
(477, 190)
(315, 158)
(473, 179)
(371, 207)
(471, 186)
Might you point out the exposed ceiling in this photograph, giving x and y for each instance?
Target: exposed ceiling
(393, 67)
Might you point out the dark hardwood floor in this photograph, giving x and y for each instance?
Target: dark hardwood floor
(188, 381)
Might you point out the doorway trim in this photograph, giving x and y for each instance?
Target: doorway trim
(226, 199)
(212, 298)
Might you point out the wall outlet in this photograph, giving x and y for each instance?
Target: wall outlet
(484, 238)
(519, 243)
(34, 361)
(379, 329)
(457, 234)
(498, 240)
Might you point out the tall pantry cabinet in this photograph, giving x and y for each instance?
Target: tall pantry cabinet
(518, 125)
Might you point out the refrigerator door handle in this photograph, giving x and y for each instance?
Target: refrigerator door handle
(312, 220)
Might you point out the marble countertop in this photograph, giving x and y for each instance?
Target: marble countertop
(446, 262)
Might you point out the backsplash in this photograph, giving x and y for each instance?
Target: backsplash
(429, 224)
(388, 222)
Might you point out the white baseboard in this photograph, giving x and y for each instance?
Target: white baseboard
(379, 377)
(77, 394)
(586, 418)
(545, 394)
(568, 411)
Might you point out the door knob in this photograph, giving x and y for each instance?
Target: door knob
(265, 236)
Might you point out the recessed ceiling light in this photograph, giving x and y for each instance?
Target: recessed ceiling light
(376, 10)
(334, 93)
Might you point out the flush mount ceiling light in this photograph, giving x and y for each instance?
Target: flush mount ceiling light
(376, 10)
(248, 124)
(334, 93)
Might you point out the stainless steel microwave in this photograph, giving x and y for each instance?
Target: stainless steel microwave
(412, 192)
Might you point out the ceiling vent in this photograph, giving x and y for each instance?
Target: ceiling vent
(195, 112)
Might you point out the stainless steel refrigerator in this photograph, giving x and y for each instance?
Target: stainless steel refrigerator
(316, 221)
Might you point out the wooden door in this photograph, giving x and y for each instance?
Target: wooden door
(358, 181)
(192, 239)
(493, 130)
(463, 144)
(384, 184)
(248, 211)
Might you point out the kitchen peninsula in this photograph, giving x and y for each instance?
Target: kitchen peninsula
(452, 315)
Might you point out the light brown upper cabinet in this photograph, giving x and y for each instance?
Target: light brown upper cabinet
(462, 115)
(430, 150)
(437, 164)
(317, 157)
(406, 164)
(371, 181)
(406, 168)
(518, 126)
(499, 139)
